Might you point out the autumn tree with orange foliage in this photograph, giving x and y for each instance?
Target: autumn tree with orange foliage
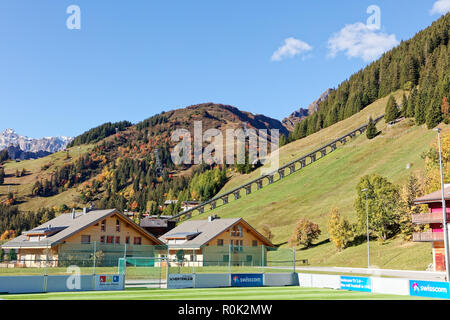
(7, 235)
(305, 233)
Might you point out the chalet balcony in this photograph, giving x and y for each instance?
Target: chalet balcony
(435, 217)
(428, 236)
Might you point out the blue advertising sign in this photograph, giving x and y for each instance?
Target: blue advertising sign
(356, 284)
(431, 289)
(247, 280)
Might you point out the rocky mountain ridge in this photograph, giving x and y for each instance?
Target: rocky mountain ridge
(10, 137)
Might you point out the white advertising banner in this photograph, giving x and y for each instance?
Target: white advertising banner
(180, 281)
(109, 282)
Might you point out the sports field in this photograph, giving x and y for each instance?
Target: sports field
(264, 293)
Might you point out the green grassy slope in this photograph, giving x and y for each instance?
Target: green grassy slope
(22, 186)
(301, 147)
(331, 181)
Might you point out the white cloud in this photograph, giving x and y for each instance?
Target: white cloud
(291, 48)
(363, 41)
(440, 7)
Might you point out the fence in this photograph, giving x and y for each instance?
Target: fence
(90, 258)
(232, 259)
(94, 258)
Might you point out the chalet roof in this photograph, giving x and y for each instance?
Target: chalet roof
(207, 230)
(67, 224)
(153, 222)
(434, 196)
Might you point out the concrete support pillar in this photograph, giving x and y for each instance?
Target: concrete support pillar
(343, 140)
(248, 190)
(259, 183)
(313, 158)
(302, 163)
(333, 147)
(225, 199)
(237, 195)
(270, 179)
(292, 169)
(323, 152)
(201, 210)
(213, 205)
(281, 173)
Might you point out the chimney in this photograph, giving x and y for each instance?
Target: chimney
(212, 218)
(73, 213)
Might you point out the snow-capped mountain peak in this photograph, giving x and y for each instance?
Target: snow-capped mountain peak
(50, 144)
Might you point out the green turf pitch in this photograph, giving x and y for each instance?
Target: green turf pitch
(265, 293)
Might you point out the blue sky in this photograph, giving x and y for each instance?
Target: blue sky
(133, 59)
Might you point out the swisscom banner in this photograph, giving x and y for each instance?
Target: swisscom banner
(247, 280)
(356, 284)
(431, 289)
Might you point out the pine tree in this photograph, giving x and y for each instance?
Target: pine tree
(391, 112)
(434, 114)
(419, 111)
(283, 140)
(445, 109)
(371, 131)
(404, 105)
(12, 255)
(410, 111)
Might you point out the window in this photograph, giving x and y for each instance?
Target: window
(255, 243)
(220, 242)
(117, 225)
(102, 239)
(237, 232)
(85, 239)
(33, 238)
(117, 239)
(137, 240)
(238, 245)
(127, 240)
(249, 258)
(109, 239)
(103, 226)
(226, 258)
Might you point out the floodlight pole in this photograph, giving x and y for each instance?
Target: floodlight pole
(444, 209)
(367, 228)
(95, 258)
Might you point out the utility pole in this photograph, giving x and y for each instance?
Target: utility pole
(444, 209)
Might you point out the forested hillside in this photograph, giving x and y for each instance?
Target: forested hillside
(420, 65)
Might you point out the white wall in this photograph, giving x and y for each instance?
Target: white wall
(390, 286)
